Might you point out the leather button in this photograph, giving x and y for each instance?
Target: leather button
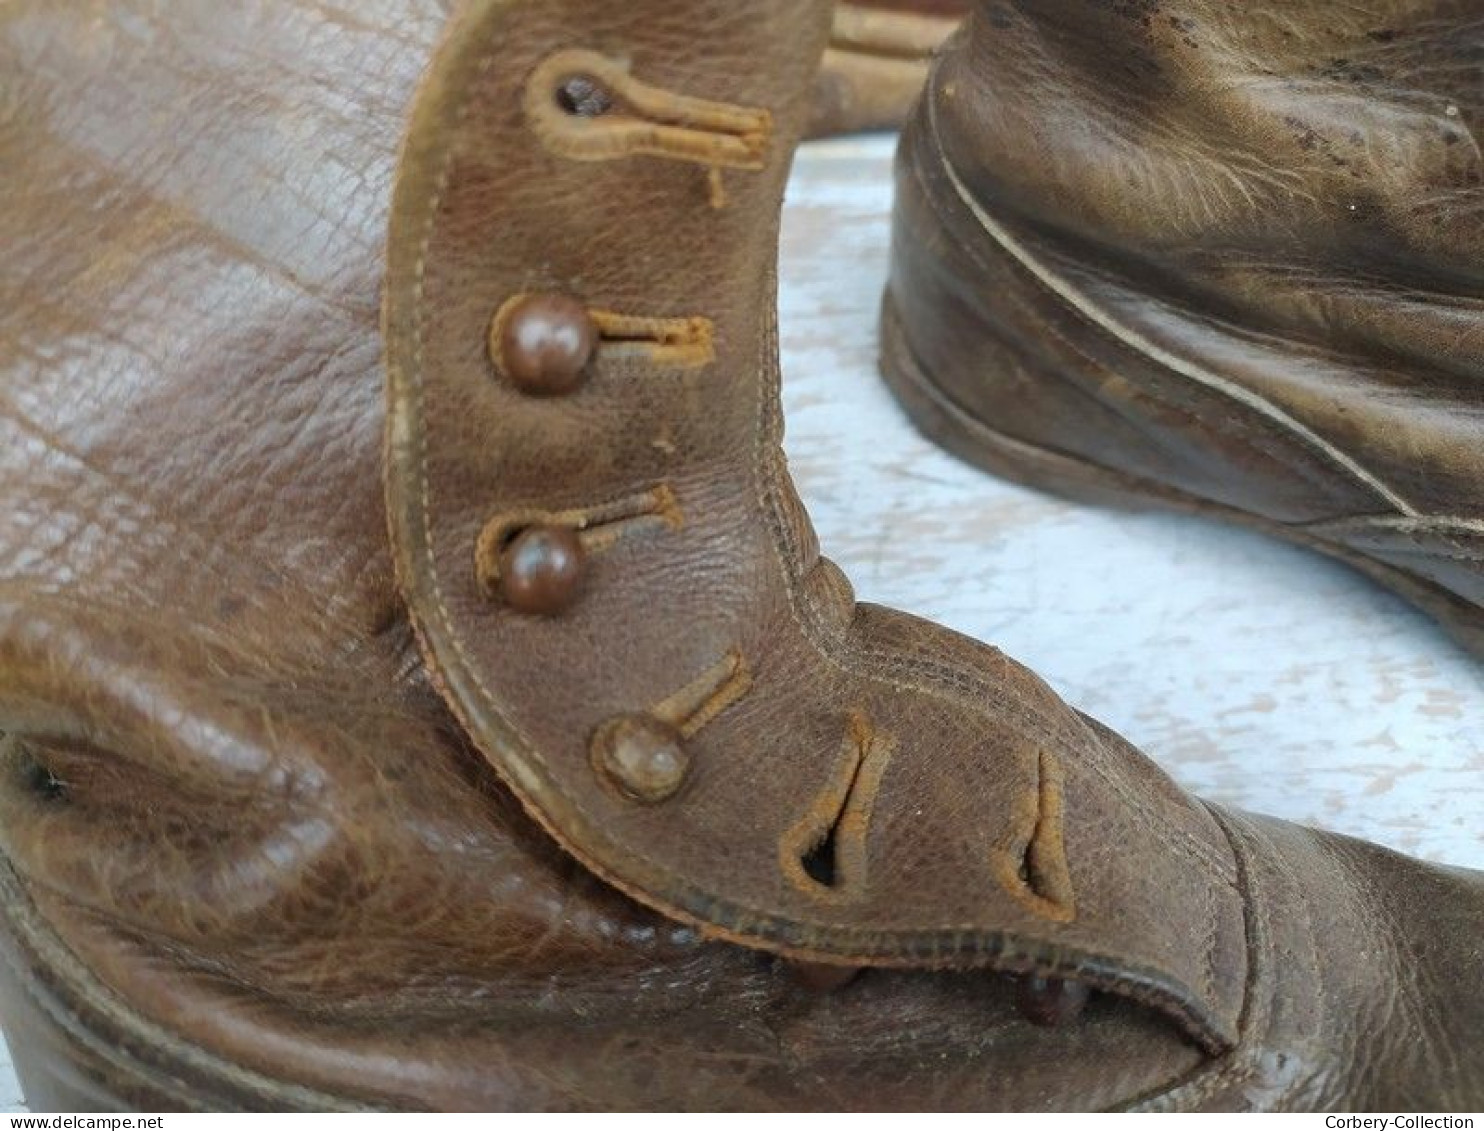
(642, 756)
(542, 570)
(1051, 1001)
(545, 343)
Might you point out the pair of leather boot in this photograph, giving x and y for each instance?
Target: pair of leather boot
(590, 785)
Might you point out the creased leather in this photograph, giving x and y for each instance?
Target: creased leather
(251, 859)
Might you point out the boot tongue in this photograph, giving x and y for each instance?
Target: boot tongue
(619, 595)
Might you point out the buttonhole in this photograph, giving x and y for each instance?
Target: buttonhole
(819, 862)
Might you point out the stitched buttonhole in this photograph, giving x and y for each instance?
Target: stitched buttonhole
(40, 780)
(819, 862)
(1033, 867)
(586, 106)
(583, 96)
(684, 343)
(824, 853)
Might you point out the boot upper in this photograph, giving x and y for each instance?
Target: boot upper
(291, 785)
(1265, 219)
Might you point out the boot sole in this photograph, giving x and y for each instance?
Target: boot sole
(935, 414)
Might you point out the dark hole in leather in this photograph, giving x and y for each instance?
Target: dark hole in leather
(37, 778)
(819, 861)
(583, 97)
(510, 534)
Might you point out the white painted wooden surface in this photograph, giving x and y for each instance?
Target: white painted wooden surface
(1258, 675)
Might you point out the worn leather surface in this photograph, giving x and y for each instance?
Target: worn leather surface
(734, 572)
(255, 853)
(1241, 261)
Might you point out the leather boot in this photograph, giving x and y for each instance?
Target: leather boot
(591, 786)
(877, 61)
(1226, 258)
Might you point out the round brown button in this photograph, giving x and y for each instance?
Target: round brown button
(542, 569)
(644, 757)
(545, 343)
(1051, 1001)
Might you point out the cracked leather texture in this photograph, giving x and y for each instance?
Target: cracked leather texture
(237, 815)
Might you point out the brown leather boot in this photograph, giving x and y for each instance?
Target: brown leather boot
(1227, 258)
(877, 61)
(653, 777)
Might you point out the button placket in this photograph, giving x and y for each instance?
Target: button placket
(546, 344)
(623, 238)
